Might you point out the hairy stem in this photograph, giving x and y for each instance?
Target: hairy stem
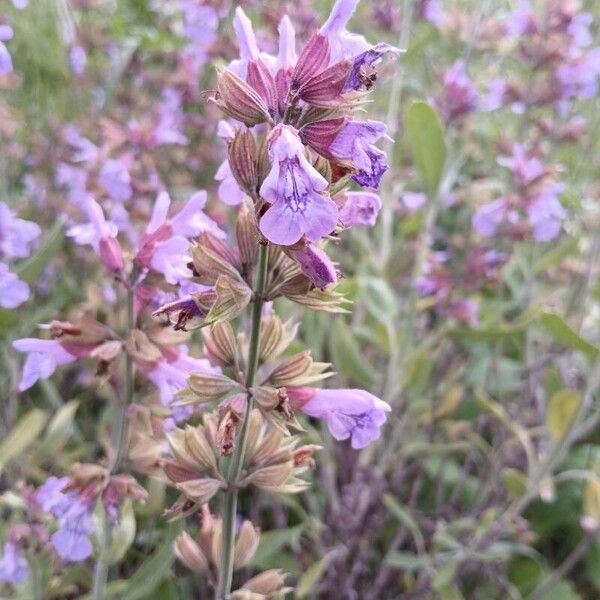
(237, 460)
(120, 440)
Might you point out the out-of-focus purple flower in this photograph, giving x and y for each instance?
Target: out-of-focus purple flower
(578, 75)
(521, 21)
(114, 177)
(488, 218)
(342, 43)
(359, 209)
(101, 235)
(13, 291)
(200, 22)
(432, 11)
(43, 356)
(579, 29)
(6, 63)
(526, 169)
(170, 119)
(16, 235)
(13, 566)
(20, 4)
(77, 60)
(545, 212)
(71, 540)
(316, 265)
(293, 188)
(85, 149)
(465, 310)
(496, 95)
(459, 96)
(413, 201)
(356, 143)
(349, 413)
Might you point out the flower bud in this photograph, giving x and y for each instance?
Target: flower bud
(316, 265)
(260, 78)
(209, 388)
(242, 161)
(321, 134)
(220, 344)
(200, 490)
(325, 88)
(265, 583)
(247, 236)
(111, 254)
(246, 544)
(313, 58)
(239, 101)
(209, 265)
(190, 554)
(291, 368)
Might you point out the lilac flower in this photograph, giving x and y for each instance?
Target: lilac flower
(229, 191)
(200, 22)
(20, 4)
(359, 209)
(413, 201)
(114, 177)
(77, 60)
(171, 119)
(101, 235)
(6, 63)
(459, 96)
(370, 58)
(525, 169)
(521, 21)
(432, 11)
(545, 213)
(349, 413)
(488, 218)
(293, 187)
(579, 29)
(85, 150)
(343, 43)
(16, 235)
(287, 56)
(578, 76)
(43, 356)
(71, 540)
(13, 566)
(316, 265)
(248, 45)
(13, 291)
(496, 95)
(355, 143)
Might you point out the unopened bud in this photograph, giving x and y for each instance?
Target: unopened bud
(291, 368)
(321, 134)
(190, 554)
(111, 254)
(247, 236)
(313, 58)
(201, 490)
(316, 265)
(245, 545)
(208, 387)
(261, 79)
(220, 344)
(239, 101)
(325, 88)
(242, 161)
(265, 583)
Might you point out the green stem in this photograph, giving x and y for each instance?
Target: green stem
(121, 434)
(237, 460)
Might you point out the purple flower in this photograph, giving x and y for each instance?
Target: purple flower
(77, 60)
(459, 96)
(525, 169)
(170, 119)
(287, 56)
(71, 540)
(350, 413)
(316, 265)
(370, 58)
(432, 11)
(13, 291)
(413, 201)
(578, 75)
(359, 209)
(20, 4)
(293, 188)
(13, 566)
(545, 213)
(200, 22)
(43, 356)
(521, 21)
(114, 177)
(355, 143)
(488, 218)
(496, 96)
(229, 190)
(342, 43)
(6, 64)
(579, 29)
(16, 235)
(100, 234)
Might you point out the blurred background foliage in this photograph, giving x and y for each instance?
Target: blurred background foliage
(490, 461)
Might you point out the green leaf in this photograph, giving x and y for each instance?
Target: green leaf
(398, 511)
(149, 576)
(425, 135)
(31, 269)
(347, 356)
(58, 430)
(272, 542)
(556, 254)
(562, 332)
(405, 561)
(311, 578)
(379, 299)
(561, 411)
(24, 434)
(123, 534)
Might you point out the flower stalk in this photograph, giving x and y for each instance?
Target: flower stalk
(235, 468)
